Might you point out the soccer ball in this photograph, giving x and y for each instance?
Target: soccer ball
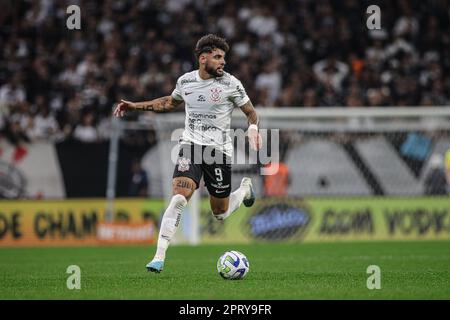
(233, 265)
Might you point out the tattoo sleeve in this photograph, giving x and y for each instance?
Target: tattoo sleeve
(250, 112)
(163, 104)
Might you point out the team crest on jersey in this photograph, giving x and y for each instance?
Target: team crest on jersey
(215, 94)
(183, 164)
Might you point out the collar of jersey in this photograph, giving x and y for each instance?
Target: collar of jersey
(197, 76)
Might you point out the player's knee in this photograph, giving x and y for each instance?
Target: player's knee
(218, 210)
(183, 192)
(183, 186)
(178, 201)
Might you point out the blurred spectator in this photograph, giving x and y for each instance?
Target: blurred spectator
(139, 181)
(286, 53)
(329, 97)
(44, 124)
(310, 98)
(13, 92)
(354, 96)
(86, 131)
(276, 185)
(87, 65)
(407, 24)
(270, 79)
(436, 181)
(331, 72)
(262, 22)
(374, 97)
(70, 77)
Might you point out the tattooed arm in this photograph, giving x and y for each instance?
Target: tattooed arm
(163, 104)
(250, 112)
(254, 137)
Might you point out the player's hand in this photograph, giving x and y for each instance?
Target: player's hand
(123, 106)
(254, 139)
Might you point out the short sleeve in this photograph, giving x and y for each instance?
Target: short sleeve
(238, 95)
(176, 93)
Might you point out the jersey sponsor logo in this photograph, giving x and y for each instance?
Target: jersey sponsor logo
(195, 122)
(183, 164)
(240, 91)
(220, 186)
(202, 127)
(184, 81)
(201, 98)
(188, 93)
(215, 94)
(223, 82)
(193, 125)
(202, 115)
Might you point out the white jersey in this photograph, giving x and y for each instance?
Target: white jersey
(209, 104)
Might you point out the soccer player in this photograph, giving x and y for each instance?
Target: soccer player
(209, 94)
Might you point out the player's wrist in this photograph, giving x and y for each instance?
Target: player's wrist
(253, 127)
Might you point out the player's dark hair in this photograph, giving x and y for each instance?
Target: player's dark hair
(210, 42)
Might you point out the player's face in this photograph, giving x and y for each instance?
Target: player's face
(215, 62)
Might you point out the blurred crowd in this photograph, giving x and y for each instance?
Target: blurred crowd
(60, 84)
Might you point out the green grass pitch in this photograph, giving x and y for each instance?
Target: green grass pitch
(409, 270)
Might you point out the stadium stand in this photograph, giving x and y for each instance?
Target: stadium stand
(60, 85)
(287, 53)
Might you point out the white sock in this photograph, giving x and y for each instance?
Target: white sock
(169, 224)
(236, 199)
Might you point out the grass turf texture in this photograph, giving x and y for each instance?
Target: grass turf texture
(409, 270)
